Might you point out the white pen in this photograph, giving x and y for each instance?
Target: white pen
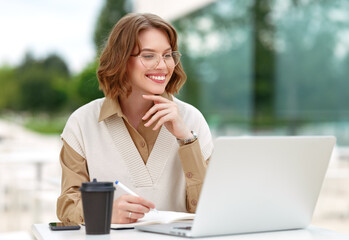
(126, 189)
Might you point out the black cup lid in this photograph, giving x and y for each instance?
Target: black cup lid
(95, 186)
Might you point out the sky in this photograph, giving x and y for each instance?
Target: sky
(64, 27)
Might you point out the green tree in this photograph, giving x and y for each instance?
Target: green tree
(41, 84)
(110, 14)
(54, 63)
(9, 88)
(85, 86)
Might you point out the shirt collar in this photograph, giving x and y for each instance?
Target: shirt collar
(111, 107)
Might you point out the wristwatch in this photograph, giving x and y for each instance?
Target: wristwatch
(188, 140)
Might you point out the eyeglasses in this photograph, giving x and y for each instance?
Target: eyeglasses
(151, 60)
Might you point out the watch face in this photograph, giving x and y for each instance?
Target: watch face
(190, 140)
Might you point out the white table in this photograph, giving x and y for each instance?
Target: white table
(42, 232)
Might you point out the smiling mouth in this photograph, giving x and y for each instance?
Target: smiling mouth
(157, 78)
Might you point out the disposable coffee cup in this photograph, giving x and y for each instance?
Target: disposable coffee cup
(97, 203)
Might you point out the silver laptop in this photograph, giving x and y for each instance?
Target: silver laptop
(257, 184)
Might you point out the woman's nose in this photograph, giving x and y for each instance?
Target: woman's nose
(161, 64)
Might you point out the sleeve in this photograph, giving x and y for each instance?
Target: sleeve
(195, 156)
(194, 168)
(74, 172)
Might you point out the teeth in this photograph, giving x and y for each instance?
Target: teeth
(157, 77)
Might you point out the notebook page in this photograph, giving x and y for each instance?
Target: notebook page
(154, 217)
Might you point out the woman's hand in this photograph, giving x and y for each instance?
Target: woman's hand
(128, 209)
(166, 112)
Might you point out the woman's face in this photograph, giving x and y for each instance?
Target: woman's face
(153, 43)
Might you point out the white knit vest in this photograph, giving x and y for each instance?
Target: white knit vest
(111, 154)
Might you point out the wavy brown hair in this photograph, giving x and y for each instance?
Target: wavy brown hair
(112, 70)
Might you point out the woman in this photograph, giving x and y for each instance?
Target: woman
(139, 134)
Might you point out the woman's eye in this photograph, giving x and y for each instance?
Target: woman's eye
(168, 55)
(148, 56)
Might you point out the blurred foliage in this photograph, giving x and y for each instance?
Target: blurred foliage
(9, 89)
(44, 92)
(108, 17)
(85, 88)
(35, 85)
(46, 124)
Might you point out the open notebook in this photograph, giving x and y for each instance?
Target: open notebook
(154, 217)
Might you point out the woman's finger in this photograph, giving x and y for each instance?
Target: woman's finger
(157, 116)
(155, 98)
(163, 120)
(137, 208)
(154, 109)
(128, 208)
(137, 200)
(134, 215)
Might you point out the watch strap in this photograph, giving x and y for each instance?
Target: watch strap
(188, 140)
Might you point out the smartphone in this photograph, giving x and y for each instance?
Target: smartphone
(55, 226)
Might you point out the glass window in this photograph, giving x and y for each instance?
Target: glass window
(274, 66)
